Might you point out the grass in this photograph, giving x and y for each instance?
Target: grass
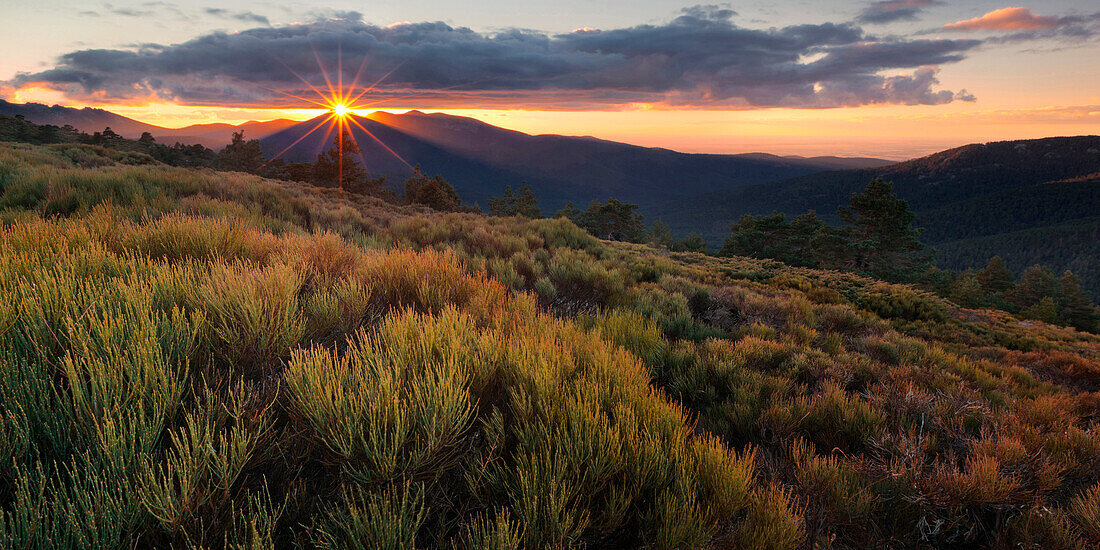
(192, 359)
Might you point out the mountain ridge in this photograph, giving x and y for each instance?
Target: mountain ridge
(480, 160)
(90, 119)
(987, 193)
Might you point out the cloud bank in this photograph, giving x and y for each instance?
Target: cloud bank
(699, 59)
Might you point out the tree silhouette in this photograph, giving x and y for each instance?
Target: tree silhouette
(572, 213)
(434, 192)
(522, 203)
(241, 155)
(614, 221)
(339, 167)
(995, 277)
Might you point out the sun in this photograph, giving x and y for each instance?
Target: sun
(340, 109)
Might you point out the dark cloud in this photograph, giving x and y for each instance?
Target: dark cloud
(701, 58)
(246, 16)
(888, 11)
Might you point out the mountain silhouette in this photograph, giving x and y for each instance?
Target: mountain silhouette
(480, 160)
(91, 120)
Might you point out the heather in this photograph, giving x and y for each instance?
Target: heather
(202, 359)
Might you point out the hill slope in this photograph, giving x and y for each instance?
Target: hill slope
(480, 160)
(976, 191)
(193, 358)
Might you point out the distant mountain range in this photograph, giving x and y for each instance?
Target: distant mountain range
(92, 120)
(480, 160)
(1033, 201)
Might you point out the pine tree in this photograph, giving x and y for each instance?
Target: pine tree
(327, 169)
(526, 203)
(806, 241)
(883, 241)
(995, 277)
(1036, 282)
(1073, 304)
(966, 290)
(241, 155)
(503, 205)
(614, 221)
(571, 213)
(659, 234)
(1045, 310)
(433, 192)
(523, 203)
(694, 242)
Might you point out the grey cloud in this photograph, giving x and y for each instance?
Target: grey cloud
(145, 9)
(889, 11)
(246, 16)
(701, 58)
(1069, 29)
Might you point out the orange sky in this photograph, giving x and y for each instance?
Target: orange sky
(894, 132)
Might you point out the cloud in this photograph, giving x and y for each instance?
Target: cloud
(699, 59)
(246, 16)
(152, 9)
(888, 11)
(1020, 25)
(1006, 19)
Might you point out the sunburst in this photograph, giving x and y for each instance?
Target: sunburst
(342, 102)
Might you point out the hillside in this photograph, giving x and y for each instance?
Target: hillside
(480, 160)
(976, 191)
(193, 358)
(91, 120)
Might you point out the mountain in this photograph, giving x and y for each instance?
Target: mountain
(92, 120)
(87, 119)
(830, 162)
(974, 202)
(480, 159)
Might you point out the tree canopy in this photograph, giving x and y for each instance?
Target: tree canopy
(516, 203)
(433, 192)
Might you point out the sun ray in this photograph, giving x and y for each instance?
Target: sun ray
(328, 132)
(342, 102)
(417, 95)
(297, 141)
(376, 83)
(384, 146)
(362, 159)
(324, 72)
(325, 105)
(319, 93)
(358, 74)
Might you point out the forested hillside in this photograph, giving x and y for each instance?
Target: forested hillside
(985, 194)
(191, 358)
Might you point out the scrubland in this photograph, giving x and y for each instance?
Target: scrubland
(201, 359)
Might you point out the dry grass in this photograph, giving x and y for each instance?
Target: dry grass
(209, 360)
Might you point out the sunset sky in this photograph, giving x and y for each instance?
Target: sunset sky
(895, 78)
